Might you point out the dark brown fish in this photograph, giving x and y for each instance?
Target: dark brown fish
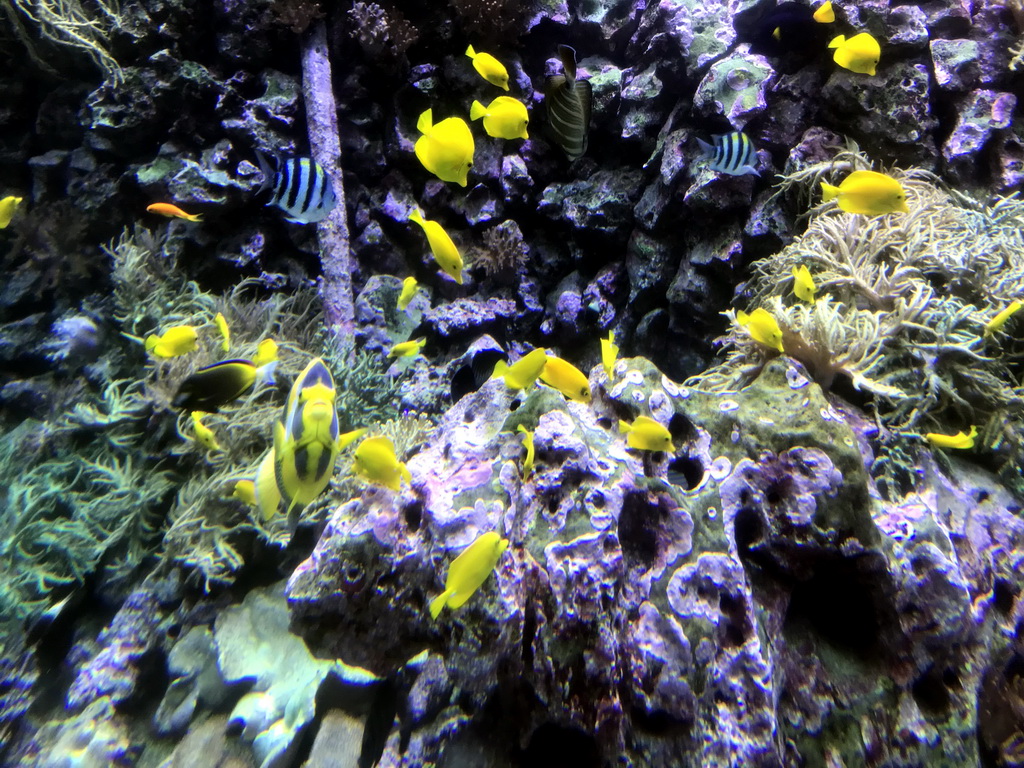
(568, 106)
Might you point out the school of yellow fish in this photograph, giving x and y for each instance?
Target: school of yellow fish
(306, 443)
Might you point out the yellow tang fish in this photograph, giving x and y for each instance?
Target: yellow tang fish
(858, 54)
(175, 341)
(959, 440)
(566, 378)
(468, 571)
(245, 492)
(221, 383)
(803, 284)
(407, 348)
(266, 352)
(409, 286)
(375, 460)
(609, 353)
(445, 149)
(490, 69)
(306, 437)
(504, 118)
(825, 13)
(646, 434)
(172, 211)
(204, 435)
(225, 332)
(762, 327)
(868, 193)
(523, 373)
(7, 208)
(530, 450)
(997, 322)
(446, 254)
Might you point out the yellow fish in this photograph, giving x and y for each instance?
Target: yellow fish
(468, 571)
(409, 286)
(445, 149)
(803, 284)
(858, 54)
(446, 254)
(530, 451)
(266, 352)
(204, 435)
(959, 440)
(490, 69)
(609, 353)
(407, 348)
(504, 118)
(245, 492)
(375, 460)
(172, 211)
(523, 373)
(7, 208)
(566, 378)
(225, 332)
(646, 434)
(346, 439)
(868, 193)
(175, 341)
(306, 437)
(825, 14)
(221, 383)
(762, 327)
(997, 322)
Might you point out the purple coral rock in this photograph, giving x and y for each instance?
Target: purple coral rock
(469, 316)
(113, 671)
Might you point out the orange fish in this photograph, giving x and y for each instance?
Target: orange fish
(172, 211)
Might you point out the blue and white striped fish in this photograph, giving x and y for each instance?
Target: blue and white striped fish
(299, 187)
(731, 153)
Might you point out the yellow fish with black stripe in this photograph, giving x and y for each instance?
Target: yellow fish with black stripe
(306, 447)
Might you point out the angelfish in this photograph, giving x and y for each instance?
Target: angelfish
(568, 103)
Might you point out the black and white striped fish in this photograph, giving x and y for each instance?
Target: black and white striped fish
(568, 106)
(299, 187)
(731, 153)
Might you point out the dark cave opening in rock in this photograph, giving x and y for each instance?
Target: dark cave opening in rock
(931, 693)
(686, 472)
(638, 529)
(553, 746)
(840, 603)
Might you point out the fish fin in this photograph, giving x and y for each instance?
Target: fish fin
(405, 473)
(499, 369)
(439, 602)
(151, 341)
(567, 54)
(837, 41)
(828, 192)
(586, 93)
(477, 110)
(425, 121)
(624, 426)
(747, 170)
(470, 52)
(416, 215)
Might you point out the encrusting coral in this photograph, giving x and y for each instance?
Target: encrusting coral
(904, 301)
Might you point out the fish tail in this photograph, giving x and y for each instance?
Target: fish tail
(499, 369)
(151, 341)
(267, 171)
(265, 374)
(195, 217)
(406, 474)
(440, 602)
(425, 121)
(477, 110)
(470, 52)
(707, 149)
(624, 426)
(828, 192)
(417, 216)
(837, 41)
